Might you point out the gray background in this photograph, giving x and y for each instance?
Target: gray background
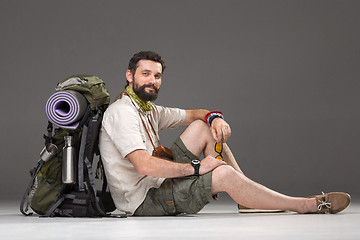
(284, 73)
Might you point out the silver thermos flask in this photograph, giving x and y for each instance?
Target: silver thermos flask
(68, 161)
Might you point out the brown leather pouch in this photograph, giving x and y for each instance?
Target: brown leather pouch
(163, 152)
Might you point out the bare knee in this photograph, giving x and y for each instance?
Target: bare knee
(199, 125)
(223, 177)
(196, 137)
(197, 129)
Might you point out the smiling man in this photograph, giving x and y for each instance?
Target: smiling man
(146, 178)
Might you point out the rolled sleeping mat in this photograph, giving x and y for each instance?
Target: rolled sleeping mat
(66, 108)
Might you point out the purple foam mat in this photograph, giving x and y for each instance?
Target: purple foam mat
(66, 108)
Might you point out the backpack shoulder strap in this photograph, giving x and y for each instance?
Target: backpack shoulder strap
(81, 159)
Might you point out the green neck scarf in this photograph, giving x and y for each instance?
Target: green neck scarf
(145, 106)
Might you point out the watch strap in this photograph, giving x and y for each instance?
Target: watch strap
(196, 166)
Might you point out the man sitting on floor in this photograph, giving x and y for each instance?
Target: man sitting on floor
(146, 178)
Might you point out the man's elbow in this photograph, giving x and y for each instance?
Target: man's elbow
(140, 160)
(143, 170)
(142, 165)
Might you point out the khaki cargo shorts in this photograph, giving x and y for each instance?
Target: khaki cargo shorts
(178, 195)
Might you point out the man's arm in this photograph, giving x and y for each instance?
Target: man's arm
(195, 114)
(157, 167)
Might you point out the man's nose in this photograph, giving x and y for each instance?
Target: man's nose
(153, 79)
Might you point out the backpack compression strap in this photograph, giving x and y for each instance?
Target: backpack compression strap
(25, 200)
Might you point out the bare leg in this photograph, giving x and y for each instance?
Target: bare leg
(230, 159)
(251, 194)
(197, 138)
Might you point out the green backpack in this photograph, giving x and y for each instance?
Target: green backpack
(47, 193)
(92, 87)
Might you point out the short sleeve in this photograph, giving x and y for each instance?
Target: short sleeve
(169, 117)
(123, 128)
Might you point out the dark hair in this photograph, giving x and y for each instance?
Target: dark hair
(144, 55)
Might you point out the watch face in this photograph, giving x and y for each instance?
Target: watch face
(195, 162)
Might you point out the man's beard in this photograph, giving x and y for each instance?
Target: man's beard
(144, 95)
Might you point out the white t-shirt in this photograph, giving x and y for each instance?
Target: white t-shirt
(121, 133)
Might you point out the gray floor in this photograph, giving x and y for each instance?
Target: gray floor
(218, 220)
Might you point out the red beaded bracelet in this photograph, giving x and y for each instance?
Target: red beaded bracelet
(210, 116)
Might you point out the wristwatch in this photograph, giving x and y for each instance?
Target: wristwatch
(196, 164)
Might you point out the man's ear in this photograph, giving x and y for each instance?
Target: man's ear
(129, 77)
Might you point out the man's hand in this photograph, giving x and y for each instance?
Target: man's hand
(209, 163)
(220, 130)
